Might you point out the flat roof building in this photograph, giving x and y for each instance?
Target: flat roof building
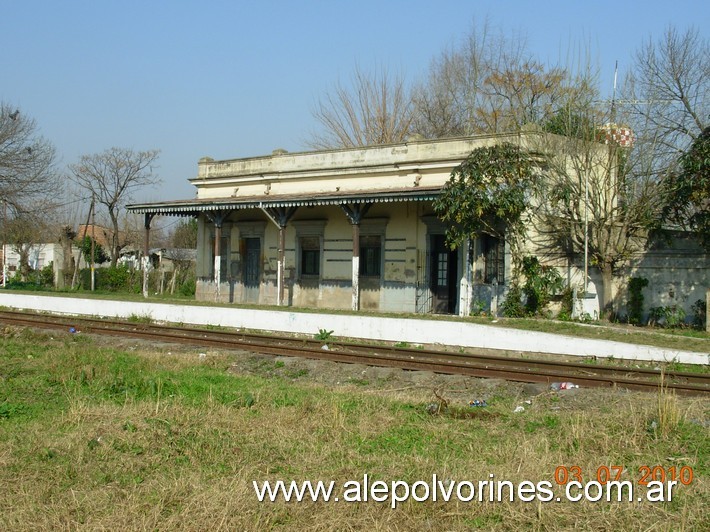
(350, 229)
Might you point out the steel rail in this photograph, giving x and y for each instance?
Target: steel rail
(570, 368)
(478, 365)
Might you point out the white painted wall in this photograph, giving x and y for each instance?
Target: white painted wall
(390, 329)
(39, 256)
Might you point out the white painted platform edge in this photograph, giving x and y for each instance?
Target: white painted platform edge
(413, 331)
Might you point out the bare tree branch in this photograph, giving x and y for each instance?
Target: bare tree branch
(29, 181)
(375, 110)
(668, 95)
(112, 177)
(490, 84)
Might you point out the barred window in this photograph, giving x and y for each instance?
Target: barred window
(310, 256)
(370, 256)
(494, 257)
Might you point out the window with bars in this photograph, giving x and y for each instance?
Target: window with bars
(371, 256)
(494, 258)
(310, 256)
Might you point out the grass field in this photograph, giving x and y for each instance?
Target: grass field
(94, 436)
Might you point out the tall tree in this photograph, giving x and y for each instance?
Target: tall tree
(375, 109)
(667, 95)
(112, 177)
(606, 195)
(690, 188)
(489, 84)
(28, 178)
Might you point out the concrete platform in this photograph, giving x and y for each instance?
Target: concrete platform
(410, 330)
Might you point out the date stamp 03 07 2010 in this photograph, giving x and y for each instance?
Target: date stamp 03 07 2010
(604, 474)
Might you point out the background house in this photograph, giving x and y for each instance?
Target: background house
(40, 256)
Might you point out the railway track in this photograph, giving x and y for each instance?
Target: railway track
(476, 365)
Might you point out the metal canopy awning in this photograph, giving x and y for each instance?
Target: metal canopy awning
(195, 207)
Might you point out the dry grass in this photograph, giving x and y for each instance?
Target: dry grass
(103, 439)
(668, 410)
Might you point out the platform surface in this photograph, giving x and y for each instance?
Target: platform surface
(394, 329)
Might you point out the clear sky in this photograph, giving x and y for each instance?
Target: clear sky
(230, 79)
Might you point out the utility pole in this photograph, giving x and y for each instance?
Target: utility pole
(81, 252)
(93, 224)
(4, 239)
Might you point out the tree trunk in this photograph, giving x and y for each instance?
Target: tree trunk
(115, 246)
(606, 305)
(23, 265)
(67, 266)
(173, 279)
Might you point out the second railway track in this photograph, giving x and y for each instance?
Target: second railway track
(471, 364)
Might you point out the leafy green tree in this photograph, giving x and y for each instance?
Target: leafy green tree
(689, 189)
(569, 123)
(100, 255)
(489, 193)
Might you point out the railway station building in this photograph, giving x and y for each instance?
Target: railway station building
(355, 229)
(348, 229)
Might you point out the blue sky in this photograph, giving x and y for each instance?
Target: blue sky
(239, 79)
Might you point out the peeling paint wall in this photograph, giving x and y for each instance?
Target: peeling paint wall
(678, 273)
(402, 237)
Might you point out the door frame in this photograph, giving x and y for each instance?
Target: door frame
(251, 292)
(436, 246)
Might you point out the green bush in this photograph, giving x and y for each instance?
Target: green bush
(118, 279)
(188, 286)
(541, 282)
(672, 316)
(14, 283)
(635, 306)
(699, 309)
(46, 275)
(567, 305)
(513, 307)
(100, 255)
(36, 280)
(114, 279)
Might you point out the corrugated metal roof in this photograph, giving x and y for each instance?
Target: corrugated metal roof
(194, 207)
